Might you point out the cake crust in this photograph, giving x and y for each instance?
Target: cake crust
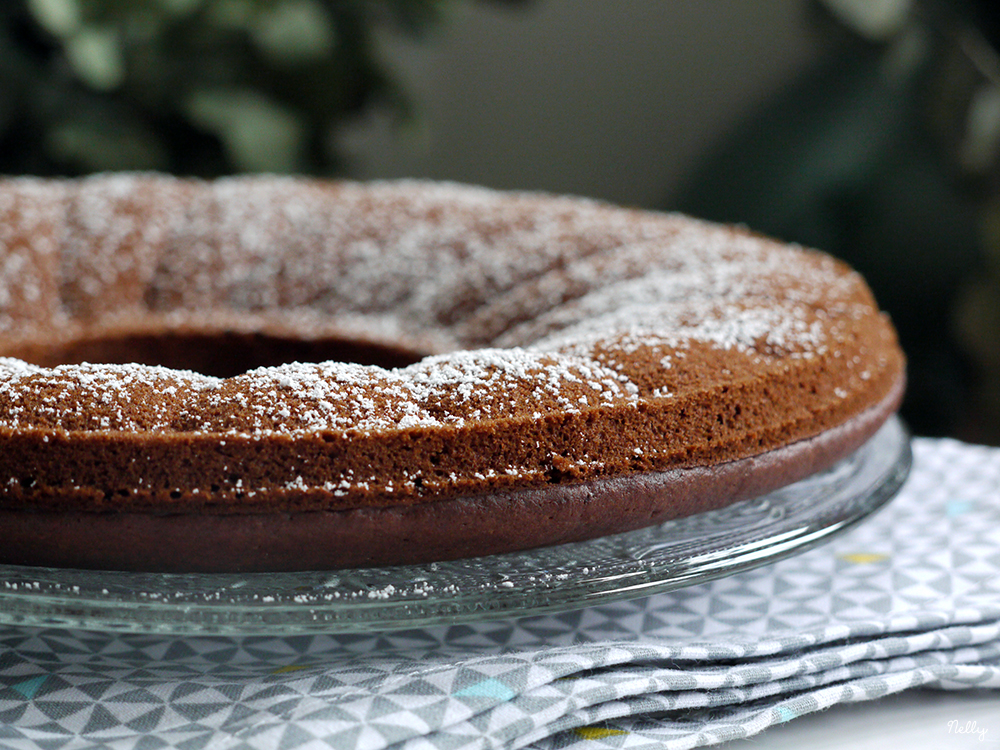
(529, 346)
(491, 523)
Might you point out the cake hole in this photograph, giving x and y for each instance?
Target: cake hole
(221, 355)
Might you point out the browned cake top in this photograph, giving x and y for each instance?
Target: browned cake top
(550, 338)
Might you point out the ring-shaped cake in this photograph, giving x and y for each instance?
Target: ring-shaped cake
(301, 374)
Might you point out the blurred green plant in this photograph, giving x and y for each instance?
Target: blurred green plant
(196, 87)
(887, 154)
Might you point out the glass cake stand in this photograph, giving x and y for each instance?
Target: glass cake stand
(561, 578)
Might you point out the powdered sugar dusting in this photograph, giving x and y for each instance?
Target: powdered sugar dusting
(530, 291)
(442, 390)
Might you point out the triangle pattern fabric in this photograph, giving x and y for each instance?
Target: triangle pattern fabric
(909, 598)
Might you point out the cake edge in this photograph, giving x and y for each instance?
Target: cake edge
(448, 529)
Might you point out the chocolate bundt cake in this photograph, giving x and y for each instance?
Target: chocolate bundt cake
(302, 374)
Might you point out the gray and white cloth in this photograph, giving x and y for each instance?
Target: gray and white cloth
(910, 598)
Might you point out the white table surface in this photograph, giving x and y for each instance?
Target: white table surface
(912, 720)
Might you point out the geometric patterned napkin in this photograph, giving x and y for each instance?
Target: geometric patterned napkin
(909, 598)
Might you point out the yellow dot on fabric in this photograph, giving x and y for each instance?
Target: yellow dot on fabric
(596, 733)
(863, 558)
(290, 668)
